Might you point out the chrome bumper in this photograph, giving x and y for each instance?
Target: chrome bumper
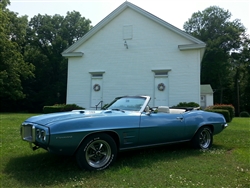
(225, 126)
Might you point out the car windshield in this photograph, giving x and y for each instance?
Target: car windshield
(128, 103)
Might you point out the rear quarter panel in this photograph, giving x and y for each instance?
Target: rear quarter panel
(196, 119)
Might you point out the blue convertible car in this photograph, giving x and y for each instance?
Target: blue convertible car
(95, 136)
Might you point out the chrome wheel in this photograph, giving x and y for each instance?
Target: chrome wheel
(205, 138)
(98, 153)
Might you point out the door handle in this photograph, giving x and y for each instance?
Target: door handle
(180, 118)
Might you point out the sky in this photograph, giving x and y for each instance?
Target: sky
(175, 12)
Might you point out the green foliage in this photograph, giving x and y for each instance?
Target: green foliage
(229, 107)
(13, 68)
(220, 67)
(33, 72)
(187, 104)
(137, 168)
(48, 36)
(3, 5)
(61, 108)
(244, 114)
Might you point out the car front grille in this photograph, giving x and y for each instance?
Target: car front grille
(28, 132)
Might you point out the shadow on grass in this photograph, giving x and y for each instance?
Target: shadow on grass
(46, 169)
(147, 156)
(42, 169)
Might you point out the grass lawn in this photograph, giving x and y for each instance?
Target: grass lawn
(226, 164)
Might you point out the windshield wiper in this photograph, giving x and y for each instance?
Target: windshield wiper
(117, 109)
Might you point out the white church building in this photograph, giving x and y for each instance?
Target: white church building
(132, 52)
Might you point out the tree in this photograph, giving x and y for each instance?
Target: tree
(222, 36)
(240, 62)
(47, 37)
(13, 68)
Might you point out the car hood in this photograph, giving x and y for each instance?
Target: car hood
(62, 116)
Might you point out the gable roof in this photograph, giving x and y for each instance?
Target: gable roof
(198, 43)
(206, 89)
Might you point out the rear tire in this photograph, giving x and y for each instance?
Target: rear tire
(97, 152)
(203, 139)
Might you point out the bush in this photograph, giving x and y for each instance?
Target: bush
(244, 114)
(187, 104)
(228, 107)
(61, 108)
(225, 113)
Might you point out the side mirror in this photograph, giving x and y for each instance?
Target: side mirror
(147, 110)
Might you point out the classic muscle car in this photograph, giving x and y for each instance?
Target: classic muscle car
(95, 136)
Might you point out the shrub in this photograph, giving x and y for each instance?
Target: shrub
(228, 107)
(187, 104)
(244, 114)
(225, 113)
(60, 108)
(69, 107)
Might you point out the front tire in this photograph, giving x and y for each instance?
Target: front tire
(97, 152)
(203, 139)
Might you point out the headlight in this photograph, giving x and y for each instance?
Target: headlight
(38, 133)
(41, 135)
